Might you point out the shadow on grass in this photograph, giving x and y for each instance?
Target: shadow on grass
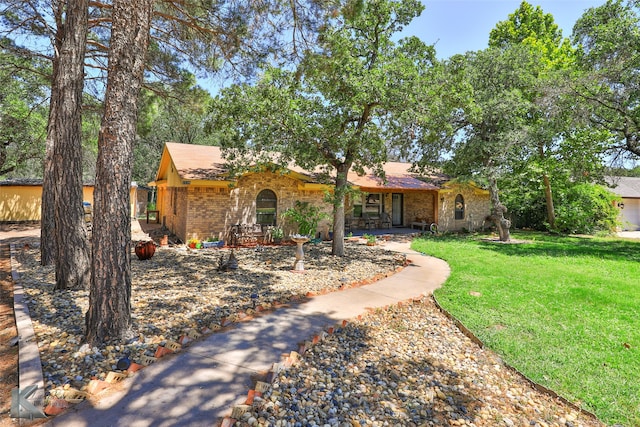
(540, 244)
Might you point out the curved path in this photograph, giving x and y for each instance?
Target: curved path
(200, 385)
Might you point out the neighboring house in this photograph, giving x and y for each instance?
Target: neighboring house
(21, 199)
(628, 188)
(197, 198)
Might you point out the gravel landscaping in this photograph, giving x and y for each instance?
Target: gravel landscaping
(179, 290)
(406, 366)
(402, 366)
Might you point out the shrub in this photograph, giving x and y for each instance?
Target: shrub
(307, 216)
(587, 209)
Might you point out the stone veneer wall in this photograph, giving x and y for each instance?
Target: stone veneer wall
(477, 208)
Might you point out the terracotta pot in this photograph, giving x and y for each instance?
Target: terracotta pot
(145, 250)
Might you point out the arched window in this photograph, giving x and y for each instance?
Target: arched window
(266, 204)
(459, 207)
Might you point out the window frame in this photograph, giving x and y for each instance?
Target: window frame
(459, 210)
(260, 206)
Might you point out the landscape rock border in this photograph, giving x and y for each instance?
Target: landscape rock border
(61, 399)
(534, 384)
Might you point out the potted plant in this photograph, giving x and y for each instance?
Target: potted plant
(277, 233)
(371, 239)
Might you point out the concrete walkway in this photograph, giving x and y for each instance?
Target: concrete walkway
(629, 234)
(200, 385)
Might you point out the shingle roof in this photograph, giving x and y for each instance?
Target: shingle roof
(203, 162)
(624, 186)
(197, 161)
(398, 178)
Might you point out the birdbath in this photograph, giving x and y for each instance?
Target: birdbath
(300, 240)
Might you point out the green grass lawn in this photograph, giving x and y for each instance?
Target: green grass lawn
(565, 311)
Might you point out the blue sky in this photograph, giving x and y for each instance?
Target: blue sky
(458, 26)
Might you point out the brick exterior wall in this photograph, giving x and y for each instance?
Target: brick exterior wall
(206, 211)
(419, 205)
(476, 204)
(176, 222)
(211, 211)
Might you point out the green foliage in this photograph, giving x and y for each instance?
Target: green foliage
(558, 309)
(350, 98)
(587, 209)
(91, 118)
(277, 233)
(176, 113)
(523, 192)
(370, 238)
(531, 27)
(609, 38)
(524, 188)
(491, 122)
(23, 115)
(307, 216)
(336, 109)
(635, 171)
(549, 120)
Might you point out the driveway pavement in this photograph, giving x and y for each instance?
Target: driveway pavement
(629, 234)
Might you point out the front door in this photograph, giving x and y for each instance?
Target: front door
(396, 209)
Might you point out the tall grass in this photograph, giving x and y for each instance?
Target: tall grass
(565, 311)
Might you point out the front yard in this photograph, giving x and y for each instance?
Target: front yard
(562, 310)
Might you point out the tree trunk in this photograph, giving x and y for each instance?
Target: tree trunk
(551, 213)
(109, 313)
(498, 210)
(548, 194)
(72, 252)
(47, 213)
(337, 246)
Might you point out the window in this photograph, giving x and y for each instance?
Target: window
(459, 207)
(266, 204)
(373, 206)
(357, 206)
